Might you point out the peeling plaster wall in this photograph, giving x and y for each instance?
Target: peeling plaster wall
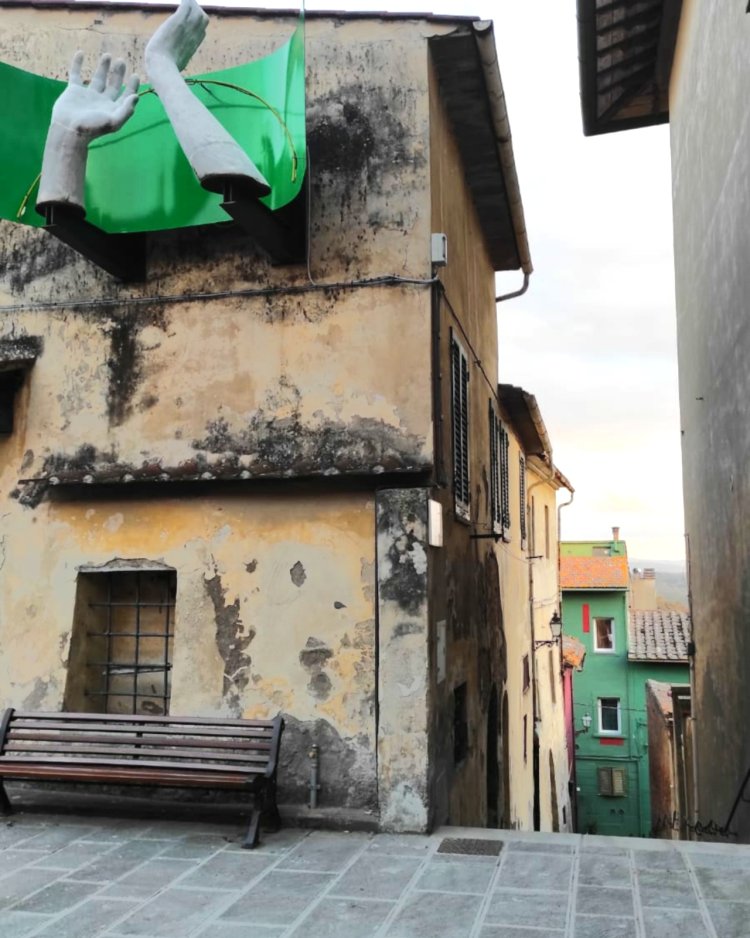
(274, 613)
(710, 146)
(403, 666)
(464, 583)
(288, 385)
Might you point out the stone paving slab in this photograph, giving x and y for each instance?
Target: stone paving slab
(73, 877)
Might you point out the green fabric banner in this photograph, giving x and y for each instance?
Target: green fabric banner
(138, 178)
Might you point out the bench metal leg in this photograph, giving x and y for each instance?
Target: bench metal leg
(252, 839)
(5, 806)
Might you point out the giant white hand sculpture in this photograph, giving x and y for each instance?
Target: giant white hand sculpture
(212, 152)
(80, 114)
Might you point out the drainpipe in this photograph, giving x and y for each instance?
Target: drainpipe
(515, 293)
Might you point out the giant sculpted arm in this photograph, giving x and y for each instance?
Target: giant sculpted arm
(212, 152)
(82, 113)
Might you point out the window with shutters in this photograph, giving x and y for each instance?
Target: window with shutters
(499, 487)
(522, 496)
(612, 782)
(460, 413)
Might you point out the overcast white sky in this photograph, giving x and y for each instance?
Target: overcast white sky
(594, 338)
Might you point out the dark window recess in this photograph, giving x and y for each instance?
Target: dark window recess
(526, 673)
(460, 415)
(10, 382)
(129, 631)
(546, 532)
(522, 496)
(460, 724)
(601, 552)
(525, 738)
(612, 782)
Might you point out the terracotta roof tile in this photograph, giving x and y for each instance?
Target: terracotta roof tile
(574, 651)
(658, 635)
(580, 573)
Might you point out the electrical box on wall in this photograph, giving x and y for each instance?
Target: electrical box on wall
(439, 249)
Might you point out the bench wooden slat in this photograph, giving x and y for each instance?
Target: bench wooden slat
(200, 752)
(165, 754)
(167, 741)
(61, 716)
(126, 776)
(204, 767)
(155, 730)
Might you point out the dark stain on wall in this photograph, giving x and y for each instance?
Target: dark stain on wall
(126, 362)
(231, 640)
(346, 779)
(252, 566)
(406, 581)
(314, 657)
(286, 446)
(298, 575)
(351, 132)
(26, 255)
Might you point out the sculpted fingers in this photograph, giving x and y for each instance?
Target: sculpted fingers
(123, 110)
(115, 79)
(74, 76)
(99, 81)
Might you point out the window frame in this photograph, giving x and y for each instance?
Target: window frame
(597, 649)
(461, 419)
(499, 482)
(605, 781)
(522, 499)
(600, 708)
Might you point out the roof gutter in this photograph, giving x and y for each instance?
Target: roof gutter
(485, 40)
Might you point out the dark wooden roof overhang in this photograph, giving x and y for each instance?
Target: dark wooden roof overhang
(625, 50)
(525, 417)
(465, 62)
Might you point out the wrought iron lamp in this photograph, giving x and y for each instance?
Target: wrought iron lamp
(555, 627)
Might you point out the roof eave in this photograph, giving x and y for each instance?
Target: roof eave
(648, 86)
(471, 90)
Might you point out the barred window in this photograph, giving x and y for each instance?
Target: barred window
(522, 496)
(460, 413)
(612, 782)
(499, 485)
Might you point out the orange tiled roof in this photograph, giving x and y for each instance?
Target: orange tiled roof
(596, 573)
(573, 652)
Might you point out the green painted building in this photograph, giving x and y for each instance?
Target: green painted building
(625, 647)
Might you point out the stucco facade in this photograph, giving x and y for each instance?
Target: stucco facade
(262, 443)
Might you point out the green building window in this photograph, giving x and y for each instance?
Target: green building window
(609, 716)
(604, 635)
(611, 782)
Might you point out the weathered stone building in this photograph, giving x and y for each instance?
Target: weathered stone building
(247, 488)
(688, 62)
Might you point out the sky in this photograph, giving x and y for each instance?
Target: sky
(594, 337)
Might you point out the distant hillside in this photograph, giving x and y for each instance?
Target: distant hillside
(671, 580)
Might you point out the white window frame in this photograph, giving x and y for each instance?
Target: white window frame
(605, 651)
(602, 731)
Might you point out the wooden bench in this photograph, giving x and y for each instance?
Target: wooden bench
(180, 752)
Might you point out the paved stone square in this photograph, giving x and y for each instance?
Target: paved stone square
(80, 877)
